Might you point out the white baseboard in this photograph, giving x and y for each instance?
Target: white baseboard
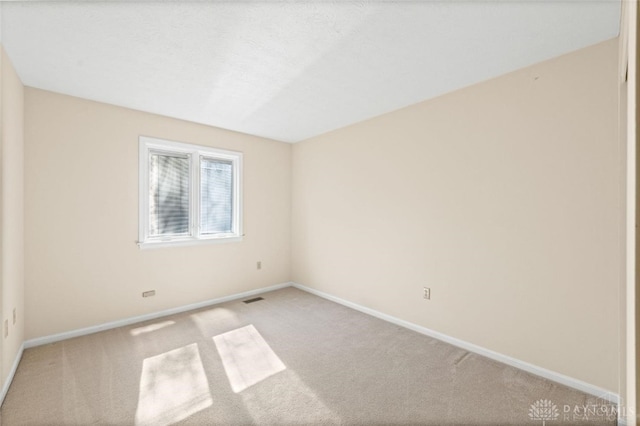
(522, 365)
(38, 341)
(533, 369)
(12, 373)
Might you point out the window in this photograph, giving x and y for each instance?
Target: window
(188, 194)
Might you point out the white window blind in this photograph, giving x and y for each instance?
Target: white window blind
(216, 196)
(169, 194)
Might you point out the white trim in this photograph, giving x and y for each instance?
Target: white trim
(39, 341)
(12, 373)
(189, 242)
(629, 295)
(530, 368)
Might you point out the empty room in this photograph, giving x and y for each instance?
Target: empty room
(317, 212)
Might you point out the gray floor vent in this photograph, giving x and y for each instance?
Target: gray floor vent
(255, 299)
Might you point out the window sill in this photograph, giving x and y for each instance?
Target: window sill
(153, 244)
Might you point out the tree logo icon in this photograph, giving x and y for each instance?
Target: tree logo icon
(544, 410)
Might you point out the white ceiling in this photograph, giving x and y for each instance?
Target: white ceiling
(287, 70)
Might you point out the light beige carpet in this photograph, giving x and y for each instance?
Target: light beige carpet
(292, 358)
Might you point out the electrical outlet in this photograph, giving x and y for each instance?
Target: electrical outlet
(6, 328)
(148, 293)
(14, 316)
(427, 293)
(259, 265)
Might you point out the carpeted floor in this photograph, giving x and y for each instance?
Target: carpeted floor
(292, 358)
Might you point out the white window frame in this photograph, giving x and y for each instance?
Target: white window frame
(147, 145)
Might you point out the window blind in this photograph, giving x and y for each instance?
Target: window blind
(216, 196)
(168, 194)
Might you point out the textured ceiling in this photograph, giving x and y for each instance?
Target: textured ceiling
(287, 70)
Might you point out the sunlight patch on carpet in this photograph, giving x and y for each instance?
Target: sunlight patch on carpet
(247, 357)
(149, 328)
(173, 386)
(211, 321)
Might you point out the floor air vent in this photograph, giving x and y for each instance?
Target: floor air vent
(255, 299)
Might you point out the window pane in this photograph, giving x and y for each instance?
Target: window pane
(216, 196)
(168, 194)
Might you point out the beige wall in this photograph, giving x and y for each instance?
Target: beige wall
(505, 198)
(82, 264)
(12, 229)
